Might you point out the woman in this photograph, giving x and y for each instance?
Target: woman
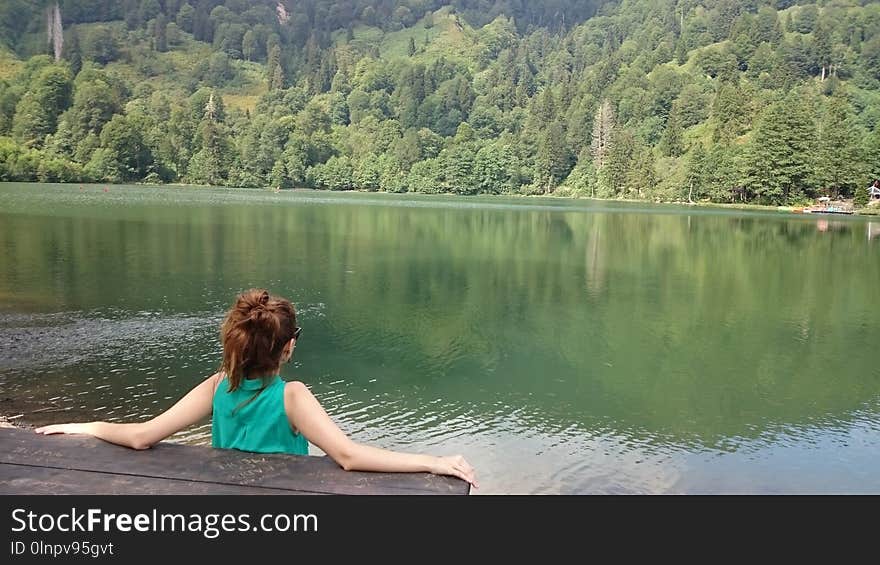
(253, 409)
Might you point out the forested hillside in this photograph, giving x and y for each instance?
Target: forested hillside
(765, 101)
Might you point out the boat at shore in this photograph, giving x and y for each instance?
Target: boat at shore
(825, 206)
(828, 210)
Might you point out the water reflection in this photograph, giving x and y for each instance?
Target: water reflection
(831, 225)
(560, 347)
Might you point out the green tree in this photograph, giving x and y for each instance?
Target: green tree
(861, 197)
(72, 50)
(696, 172)
(407, 149)
(641, 177)
(278, 177)
(132, 14)
(496, 166)
(615, 173)
(103, 166)
(367, 174)
(148, 9)
(722, 175)
(275, 72)
(36, 114)
(100, 45)
(211, 162)
(186, 17)
(672, 142)
(805, 18)
(871, 152)
(458, 172)
(249, 45)
(839, 155)
(554, 159)
(871, 57)
(730, 112)
(336, 174)
(160, 33)
(426, 176)
(125, 155)
(95, 101)
(779, 162)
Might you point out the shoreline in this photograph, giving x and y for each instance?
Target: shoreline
(866, 212)
(5, 423)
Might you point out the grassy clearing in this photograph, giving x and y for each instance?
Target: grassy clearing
(444, 37)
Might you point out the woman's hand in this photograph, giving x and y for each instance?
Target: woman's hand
(457, 466)
(63, 429)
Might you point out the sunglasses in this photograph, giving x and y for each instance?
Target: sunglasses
(296, 333)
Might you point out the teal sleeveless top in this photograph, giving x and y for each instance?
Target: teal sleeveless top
(257, 424)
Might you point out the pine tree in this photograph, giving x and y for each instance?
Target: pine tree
(839, 154)
(871, 152)
(672, 142)
(210, 164)
(696, 173)
(546, 107)
(249, 45)
(185, 17)
(554, 159)
(722, 174)
(861, 197)
(277, 79)
(779, 163)
(729, 111)
(411, 49)
(615, 172)
(275, 74)
(603, 127)
(72, 50)
(278, 175)
(641, 175)
(160, 34)
(132, 14)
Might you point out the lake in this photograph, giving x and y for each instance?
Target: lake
(562, 346)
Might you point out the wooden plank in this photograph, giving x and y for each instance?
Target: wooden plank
(24, 479)
(306, 474)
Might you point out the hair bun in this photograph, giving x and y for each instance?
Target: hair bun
(259, 307)
(253, 304)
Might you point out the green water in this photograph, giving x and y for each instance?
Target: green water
(561, 346)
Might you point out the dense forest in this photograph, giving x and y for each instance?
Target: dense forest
(763, 101)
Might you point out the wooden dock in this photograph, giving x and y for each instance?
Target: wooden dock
(31, 463)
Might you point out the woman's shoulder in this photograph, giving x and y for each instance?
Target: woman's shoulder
(294, 389)
(298, 399)
(215, 380)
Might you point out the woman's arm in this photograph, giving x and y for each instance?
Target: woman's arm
(192, 408)
(308, 417)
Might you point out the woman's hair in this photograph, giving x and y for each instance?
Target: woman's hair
(253, 335)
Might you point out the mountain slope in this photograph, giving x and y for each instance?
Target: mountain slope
(663, 100)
